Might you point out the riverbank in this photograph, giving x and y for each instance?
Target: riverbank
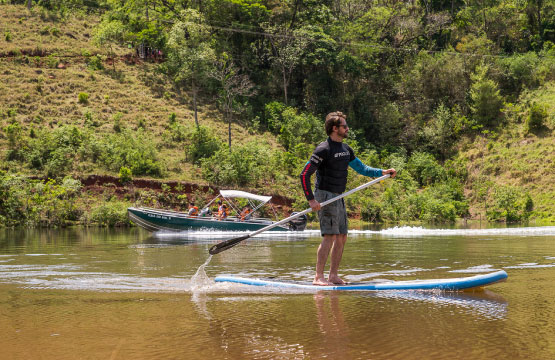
(102, 200)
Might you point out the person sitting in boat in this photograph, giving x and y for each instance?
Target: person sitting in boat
(245, 213)
(193, 210)
(223, 210)
(205, 212)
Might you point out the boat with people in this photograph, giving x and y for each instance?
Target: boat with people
(230, 219)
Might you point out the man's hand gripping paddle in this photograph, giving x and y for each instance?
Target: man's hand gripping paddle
(227, 244)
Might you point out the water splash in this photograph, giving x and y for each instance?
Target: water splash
(200, 280)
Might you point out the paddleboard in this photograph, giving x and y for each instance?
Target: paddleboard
(454, 284)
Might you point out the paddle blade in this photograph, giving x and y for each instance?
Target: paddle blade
(228, 244)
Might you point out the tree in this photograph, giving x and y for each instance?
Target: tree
(486, 99)
(287, 48)
(109, 33)
(535, 10)
(191, 52)
(232, 85)
(439, 132)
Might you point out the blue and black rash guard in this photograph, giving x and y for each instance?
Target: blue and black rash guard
(331, 160)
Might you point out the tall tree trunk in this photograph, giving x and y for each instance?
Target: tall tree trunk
(194, 87)
(539, 4)
(284, 86)
(229, 130)
(29, 3)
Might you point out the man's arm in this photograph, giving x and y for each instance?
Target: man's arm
(366, 170)
(307, 172)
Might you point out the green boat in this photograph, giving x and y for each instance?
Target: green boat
(175, 221)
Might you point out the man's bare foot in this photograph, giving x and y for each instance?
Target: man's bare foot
(336, 280)
(320, 282)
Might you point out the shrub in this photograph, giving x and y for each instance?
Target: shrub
(16, 141)
(89, 119)
(371, 211)
(438, 211)
(425, 169)
(12, 209)
(134, 150)
(510, 204)
(299, 128)
(83, 98)
(537, 114)
(95, 63)
(244, 165)
(439, 131)
(59, 162)
(203, 144)
(125, 175)
(402, 200)
(175, 133)
(52, 204)
(172, 118)
(273, 116)
(443, 202)
(117, 122)
(72, 186)
(55, 151)
(52, 62)
(113, 213)
(486, 99)
(519, 71)
(8, 36)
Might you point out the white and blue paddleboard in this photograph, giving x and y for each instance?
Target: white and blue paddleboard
(454, 284)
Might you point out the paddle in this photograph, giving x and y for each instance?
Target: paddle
(227, 244)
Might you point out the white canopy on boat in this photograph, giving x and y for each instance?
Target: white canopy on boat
(245, 195)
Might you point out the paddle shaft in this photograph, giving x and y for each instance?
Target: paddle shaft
(232, 242)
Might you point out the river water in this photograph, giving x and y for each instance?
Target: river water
(127, 294)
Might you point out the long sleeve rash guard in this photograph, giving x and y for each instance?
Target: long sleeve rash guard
(330, 161)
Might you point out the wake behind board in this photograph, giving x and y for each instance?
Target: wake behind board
(454, 284)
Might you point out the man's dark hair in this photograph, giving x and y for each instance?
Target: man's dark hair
(333, 119)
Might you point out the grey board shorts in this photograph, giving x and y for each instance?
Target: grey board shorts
(333, 217)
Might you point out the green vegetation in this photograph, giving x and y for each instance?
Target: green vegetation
(37, 203)
(83, 98)
(459, 97)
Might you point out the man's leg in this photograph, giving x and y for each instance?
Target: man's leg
(336, 255)
(322, 258)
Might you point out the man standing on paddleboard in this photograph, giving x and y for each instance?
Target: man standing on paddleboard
(331, 160)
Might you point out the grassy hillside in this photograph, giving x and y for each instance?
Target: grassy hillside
(41, 89)
(515, 158)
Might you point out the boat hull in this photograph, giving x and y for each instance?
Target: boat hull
(161, 220)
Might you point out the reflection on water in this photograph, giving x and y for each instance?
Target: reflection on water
(93, 293)
(334, 330)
